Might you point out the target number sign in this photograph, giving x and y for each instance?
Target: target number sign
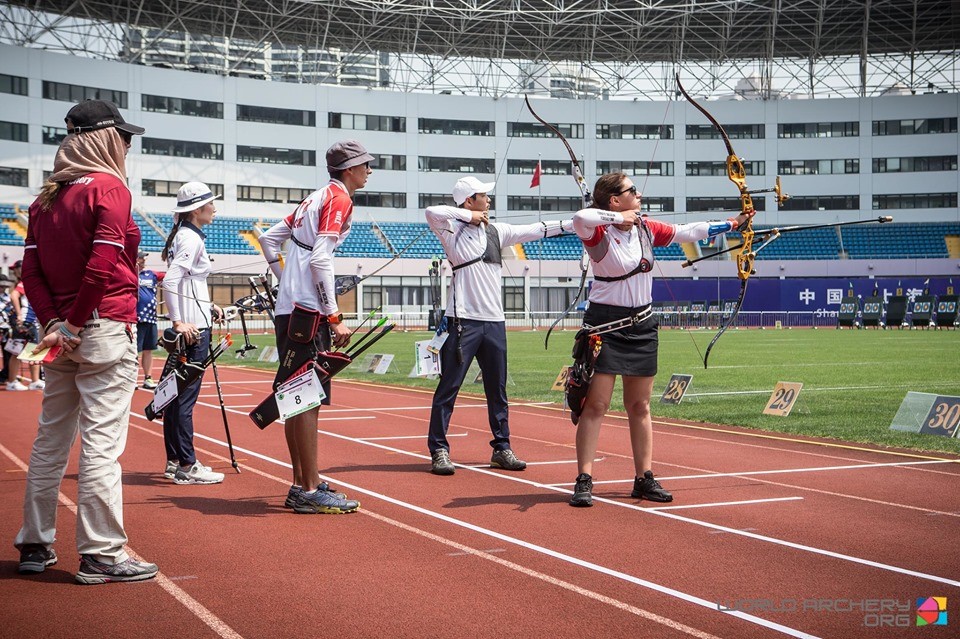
(676, 387)
(943, 418)
(783, 398)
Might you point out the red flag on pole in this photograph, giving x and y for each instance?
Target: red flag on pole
(535, 182)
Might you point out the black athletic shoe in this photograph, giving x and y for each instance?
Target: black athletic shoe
(647, 487)
(582, 491)
(34, 559)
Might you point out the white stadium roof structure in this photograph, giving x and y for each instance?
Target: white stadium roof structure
(626, 48)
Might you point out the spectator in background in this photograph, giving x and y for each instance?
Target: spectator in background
(6, 310)
(78, 269)
(24, 328)
(146, 318)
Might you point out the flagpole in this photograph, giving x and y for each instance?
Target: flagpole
(539, 169)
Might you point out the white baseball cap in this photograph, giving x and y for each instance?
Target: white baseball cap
(465, 187)
(192, 196)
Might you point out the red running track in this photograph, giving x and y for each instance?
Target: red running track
(768, 535)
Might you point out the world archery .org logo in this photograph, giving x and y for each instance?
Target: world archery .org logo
(932, 611)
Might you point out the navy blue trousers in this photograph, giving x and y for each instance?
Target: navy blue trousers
(487, 342)
(178, 414)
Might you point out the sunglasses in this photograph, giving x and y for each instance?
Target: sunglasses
(127, 137)
(631, 189)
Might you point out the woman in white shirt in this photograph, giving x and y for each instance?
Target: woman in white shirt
(189, 307)
(620, 245)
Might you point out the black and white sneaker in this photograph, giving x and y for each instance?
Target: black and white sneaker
(440, 463)
(34, 559)
(583, 491)
(647, 487)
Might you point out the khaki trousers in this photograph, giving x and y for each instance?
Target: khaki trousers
(87, 392)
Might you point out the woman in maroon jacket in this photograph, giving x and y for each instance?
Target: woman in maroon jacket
(79, 269)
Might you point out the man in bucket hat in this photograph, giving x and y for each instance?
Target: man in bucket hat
(315, 229)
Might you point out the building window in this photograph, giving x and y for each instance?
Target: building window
(915, 127)
(275, 115)
(373, 199)
(77, 93)
(640, 167)
(537, 130)
(167, 188)
(389, 162)
(734, 132)
(915, 165)
(757, 167)
(428, 164)
(435, 199)
(547, 167)
(182, 149)
(362, 122)
(825, 203)
(513, 299)
(282, 195)
(916, 201)
(440, 126)
(656, 204)
(296, 157)
(634, 132)
(16, 131)
(818, 130)
(818, 167)
(724, 204)
(10, 176)
(182, 106)
(13, 84)
(534, 203)
(53, 135)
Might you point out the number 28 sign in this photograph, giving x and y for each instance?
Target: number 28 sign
(943, 418)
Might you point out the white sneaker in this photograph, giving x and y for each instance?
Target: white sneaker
(37, 385)
(198, 474)
(16, 386)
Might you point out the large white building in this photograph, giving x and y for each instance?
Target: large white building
(263, 144)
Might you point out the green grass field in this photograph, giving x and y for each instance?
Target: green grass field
(853, 381)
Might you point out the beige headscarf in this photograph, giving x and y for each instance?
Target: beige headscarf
(100, 151)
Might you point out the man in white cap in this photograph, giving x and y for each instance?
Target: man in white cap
(318, 226)
(474, 314)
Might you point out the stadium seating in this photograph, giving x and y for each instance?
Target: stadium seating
(369, 240)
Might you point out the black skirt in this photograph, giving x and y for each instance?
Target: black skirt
(627, 351)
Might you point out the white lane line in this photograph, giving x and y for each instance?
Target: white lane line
(540, 463)
(783, 471)
(710, 605)
(372, 439)
(232, 409)
(814, 390)
(728, 503)
(675, 517)
(199, 610)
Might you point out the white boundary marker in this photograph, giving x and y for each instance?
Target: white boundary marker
(727, 503)
(675, 517)
(199, 610)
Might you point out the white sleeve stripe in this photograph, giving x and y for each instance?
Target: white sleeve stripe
(30, 246)
(106, 242)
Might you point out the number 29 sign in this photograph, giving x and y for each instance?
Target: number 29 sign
(783, 398)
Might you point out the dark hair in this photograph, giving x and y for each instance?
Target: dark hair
(165, 253)
(336, 175)
(606, 187)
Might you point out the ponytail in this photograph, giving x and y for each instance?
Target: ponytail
(165, 253)
(48, 194)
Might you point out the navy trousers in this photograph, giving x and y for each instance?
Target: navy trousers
(178, 414)
(487, 341)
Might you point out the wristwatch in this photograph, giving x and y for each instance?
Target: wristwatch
(335, 319)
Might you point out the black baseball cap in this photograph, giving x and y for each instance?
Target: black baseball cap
(91, 115)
